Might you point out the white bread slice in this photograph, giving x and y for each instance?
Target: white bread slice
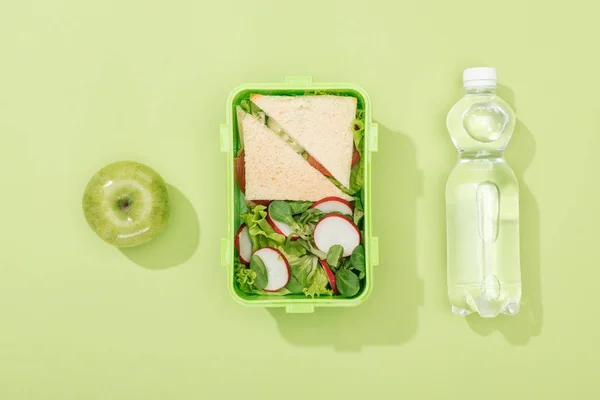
(321, 124)
(274, 171)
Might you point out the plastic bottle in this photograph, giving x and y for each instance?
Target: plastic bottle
(482, 203)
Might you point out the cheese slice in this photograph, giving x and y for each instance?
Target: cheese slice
(321, 124)
(274, 171)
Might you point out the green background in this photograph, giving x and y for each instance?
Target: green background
(85, 83)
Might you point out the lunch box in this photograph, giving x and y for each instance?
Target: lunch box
(229, 144)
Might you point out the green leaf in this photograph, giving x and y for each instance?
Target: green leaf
(312, 249)
(358, 209)
(300, 271)
(245, 279)
(357, 260)
(334, 255)
(261, 232)
(251, 108)
(298, 207)
(293, 249)
(281, 211)
(318, 285)
(358, 172)
(357, 176)
(246, 105)
(358, 128)
(357, 179)
(347, 283)
(258, 267)
(295, 285)
(310, 216)
(305, 223)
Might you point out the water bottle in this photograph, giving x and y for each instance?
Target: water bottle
(482, 203)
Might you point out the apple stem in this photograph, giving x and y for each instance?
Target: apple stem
(124, 204)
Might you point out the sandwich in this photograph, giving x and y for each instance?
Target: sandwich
(297, 147)
(275, 171)
(321, 125)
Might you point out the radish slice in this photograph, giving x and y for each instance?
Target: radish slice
(280, 227)
(278, 269)
(333, 204)
(336, 229)
(243, 244)
(330, 275)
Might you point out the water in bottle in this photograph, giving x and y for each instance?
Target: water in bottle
(482, 203)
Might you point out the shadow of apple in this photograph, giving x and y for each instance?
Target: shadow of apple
(176, 244)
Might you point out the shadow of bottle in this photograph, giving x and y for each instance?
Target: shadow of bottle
(390, 315)
(528, 322)
(177, 243)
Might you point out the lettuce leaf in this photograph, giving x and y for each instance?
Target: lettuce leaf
(302, 272)
(261, 232)
(357, 177)
(245, 279)
(308, 277)
(358, 210)
(358, 172)
(293, 250)
(318, 286)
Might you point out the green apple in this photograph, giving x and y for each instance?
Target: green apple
(126, 203)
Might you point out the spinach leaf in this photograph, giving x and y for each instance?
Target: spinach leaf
(298, 207)
(334, 255)
(347, 283)
(295, 285)
(281, 211)
(357, 260)
(258, 267)
(312, 249)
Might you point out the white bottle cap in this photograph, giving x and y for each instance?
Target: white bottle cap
(480, 76)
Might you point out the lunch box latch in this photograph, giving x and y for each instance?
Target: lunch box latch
(226, 252)
(374, 250)
(373, 137)
(299, 308)
(226, 142)
(302, 81)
